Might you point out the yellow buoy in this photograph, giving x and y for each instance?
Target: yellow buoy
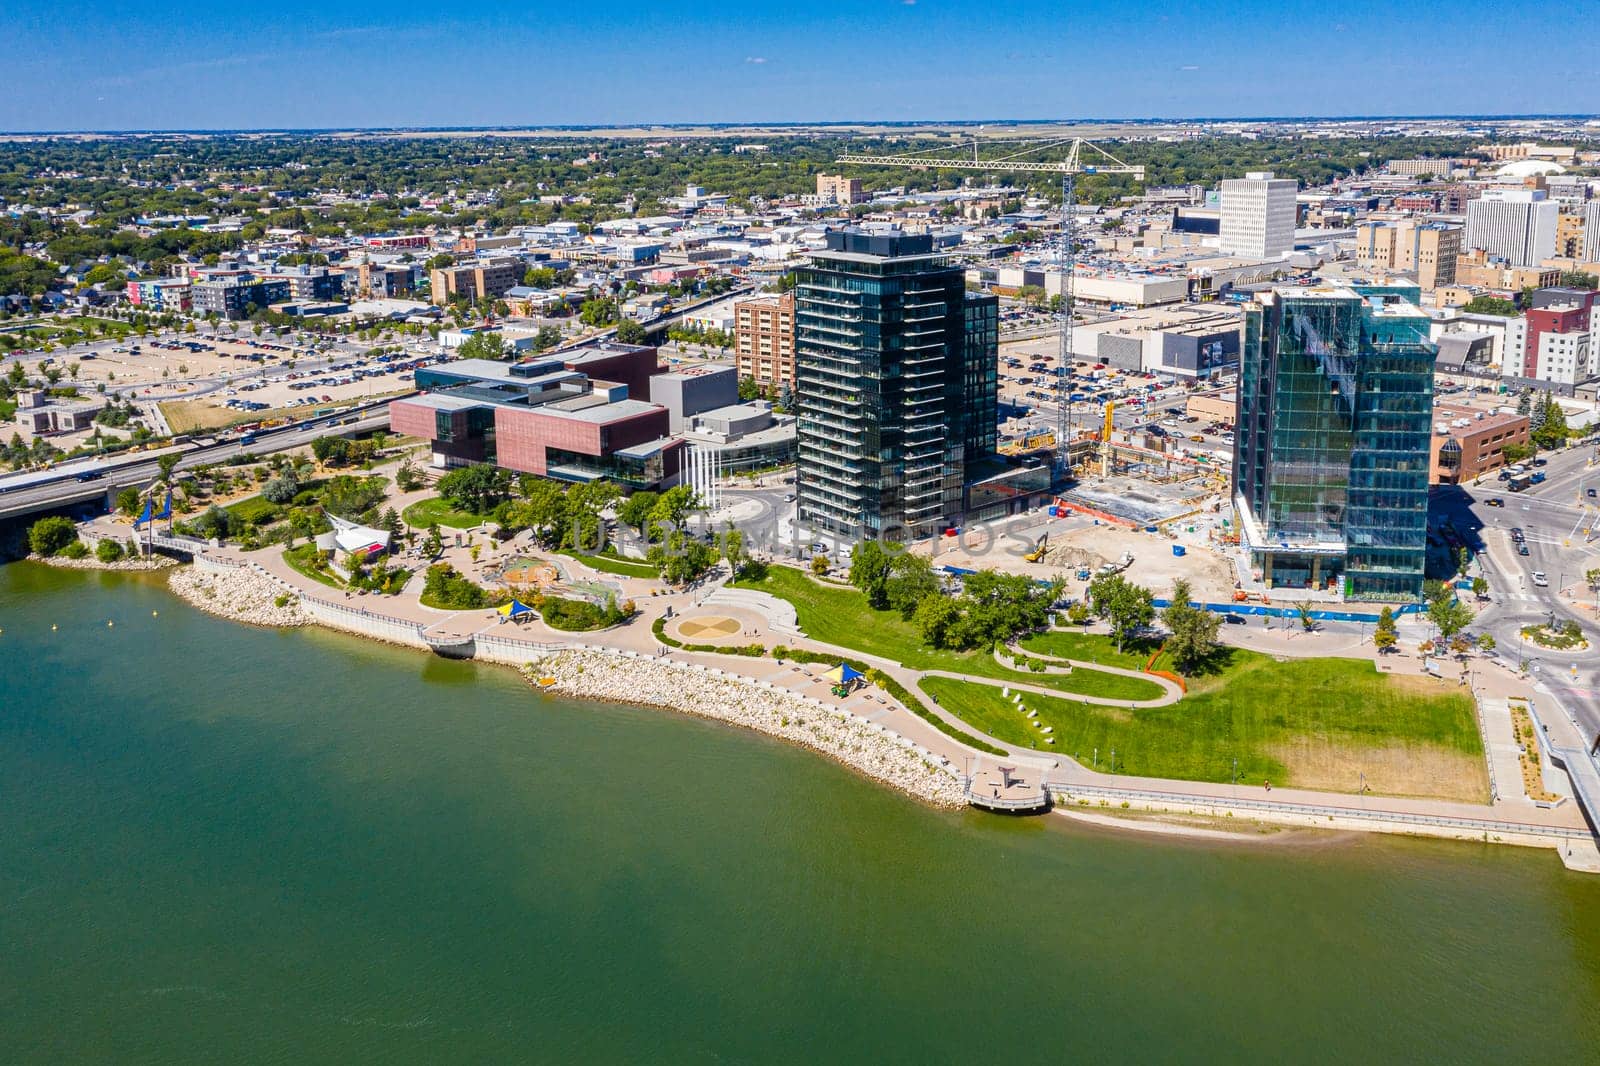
(52, 629)
(154, 614)
(110, 624)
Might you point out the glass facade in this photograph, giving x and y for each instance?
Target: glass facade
(1331, 454)
(895, 385)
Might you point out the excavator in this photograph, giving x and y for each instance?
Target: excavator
(1039, 549)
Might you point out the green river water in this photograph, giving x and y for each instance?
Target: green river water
(220, 844)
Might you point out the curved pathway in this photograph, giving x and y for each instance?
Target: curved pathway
(1172, 692)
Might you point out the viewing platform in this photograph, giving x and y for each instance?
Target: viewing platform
(1001, 789)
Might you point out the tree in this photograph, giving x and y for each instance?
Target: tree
(911, 580)
(733, 549)
(1126, 607)
(1516, 453)
(543, 509)
(1480, 587)
(51, 534)
(485, 345)
(166, 464)
(433, 543)
(1385, 635)
(682, 558)
(1304, 612)
(108, 551)
(331, 451)
(820, 564)
(585, 501)
(869, 572)
(406, 477)
(1485, 643)
(630, 332)
(1449, 615)
(1194, 630)
(934, 617)
(1491, 305)
(281, 489)
(635, 510)
(129, 500)
(1553, 430)
(477, 488)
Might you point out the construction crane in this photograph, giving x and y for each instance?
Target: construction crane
(1081, 157)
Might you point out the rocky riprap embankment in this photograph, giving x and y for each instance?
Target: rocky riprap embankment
(89, 562)
(242, 595)
(656, 683)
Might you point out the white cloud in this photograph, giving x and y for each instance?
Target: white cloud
(755, 59)
(1190, 66)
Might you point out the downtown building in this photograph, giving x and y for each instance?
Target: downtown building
(1515, 225)
(895, 391)
(1333, 440)
(1258, 214)
(763, 339)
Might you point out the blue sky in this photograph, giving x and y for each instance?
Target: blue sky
(157, 64)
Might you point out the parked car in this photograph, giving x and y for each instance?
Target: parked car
(1495, 501)
(1234, 619)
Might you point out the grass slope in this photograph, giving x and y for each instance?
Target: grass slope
(1316, 723)
(841, 616)
(425, 513)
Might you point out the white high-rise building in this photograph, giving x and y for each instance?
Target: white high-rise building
(1258, 215)
(1591, 232)
(1517, 225)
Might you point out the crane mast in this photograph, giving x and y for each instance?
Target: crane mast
(1098, 161)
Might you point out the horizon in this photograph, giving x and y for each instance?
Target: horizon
(804, 124)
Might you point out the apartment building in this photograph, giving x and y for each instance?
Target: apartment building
(896, 382)
(838, 189)
(1477, 268)
(1427, 249)
(1258, 215)
(764, 339)
(1515, 225)
(476, 278)
(1557, 339)
(236, 297)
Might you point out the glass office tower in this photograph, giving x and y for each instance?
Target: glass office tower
(895, 385)
(1335, 402)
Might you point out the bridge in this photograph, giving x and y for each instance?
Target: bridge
(97, 482)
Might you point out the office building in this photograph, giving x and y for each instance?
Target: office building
(476, 279)
(1427, 249)
(895, 367)
(1469, 442)
(764, 339)
(1516, 225)
(838, 189)
(1258, 215)
(1591, 232)
(1331, 460)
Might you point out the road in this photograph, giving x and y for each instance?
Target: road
(1554, 520)
(20, 496)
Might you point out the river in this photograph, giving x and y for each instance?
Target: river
(222, 844)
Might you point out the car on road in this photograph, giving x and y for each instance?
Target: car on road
(1591, 493)
(1540, 580)
(1233, 619)
(1495, 501)
(1522, 547)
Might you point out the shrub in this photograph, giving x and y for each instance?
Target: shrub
(108, 551)
(50, 535)
(77, 549)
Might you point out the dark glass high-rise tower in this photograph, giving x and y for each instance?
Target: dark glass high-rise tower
(895, 385)
(1335, 404)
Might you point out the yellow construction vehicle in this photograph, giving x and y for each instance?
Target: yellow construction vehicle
(1039, 549)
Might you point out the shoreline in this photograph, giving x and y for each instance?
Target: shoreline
(687, 689)
(245, 595)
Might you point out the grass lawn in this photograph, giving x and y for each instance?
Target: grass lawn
(188, 416)
(1312, 723)
(425, 513)
(254, 509)
(612, 565)
(300, 558)
(1090, 648)
(841, 616)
